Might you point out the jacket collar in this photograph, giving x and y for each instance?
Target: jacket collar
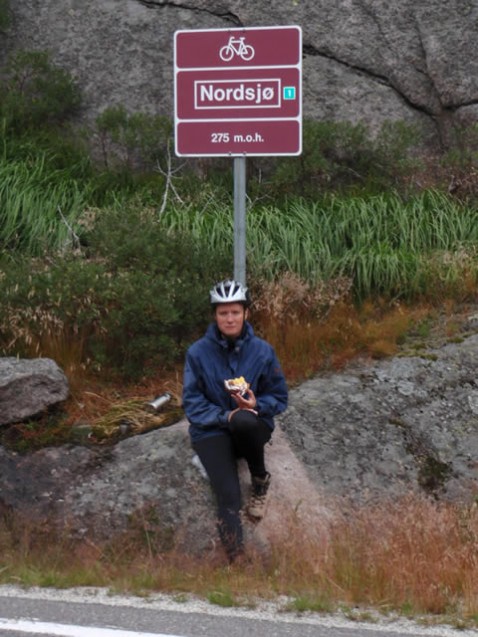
(214, 334)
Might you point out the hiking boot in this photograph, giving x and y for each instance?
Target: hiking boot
(257, 504)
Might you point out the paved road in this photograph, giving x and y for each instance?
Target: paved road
(94, 613)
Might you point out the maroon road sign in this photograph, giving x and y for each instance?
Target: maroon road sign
(238, 91)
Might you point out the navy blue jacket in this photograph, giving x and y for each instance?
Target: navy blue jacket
(210, 361)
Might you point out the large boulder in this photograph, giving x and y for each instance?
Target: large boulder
(28, 387)
(151, 481)
(388, 428)
(368, 61)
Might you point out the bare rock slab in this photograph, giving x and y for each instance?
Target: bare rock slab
(28, 387)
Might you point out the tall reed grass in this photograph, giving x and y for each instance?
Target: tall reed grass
(384, 244)
(39, 206)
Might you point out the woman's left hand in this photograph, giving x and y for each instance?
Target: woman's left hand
(248, 401)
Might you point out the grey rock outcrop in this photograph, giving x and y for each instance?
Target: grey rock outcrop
(376, 431)
(148, 482)
(364, 60)
(28, 387)
(408, 424)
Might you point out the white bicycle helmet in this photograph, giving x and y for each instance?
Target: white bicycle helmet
(229, 292)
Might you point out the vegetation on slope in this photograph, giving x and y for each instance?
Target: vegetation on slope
(108, 246)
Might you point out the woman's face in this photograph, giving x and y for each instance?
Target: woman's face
(230, 319)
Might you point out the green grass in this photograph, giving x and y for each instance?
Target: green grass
(39, 203)
(310, 602)
(387, 246)
(223, 598)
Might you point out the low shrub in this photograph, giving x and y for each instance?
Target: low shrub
(345, 157)
(36, 92)
(4, 15)
(131, 300)
(132, 140)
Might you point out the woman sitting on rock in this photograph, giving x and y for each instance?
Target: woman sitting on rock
(233, 388)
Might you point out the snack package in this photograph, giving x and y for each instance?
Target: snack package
(236, 385)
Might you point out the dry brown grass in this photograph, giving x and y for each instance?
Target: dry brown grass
(314, 344)
(311, 329)
(413, 556)
(413, 553)
(94, 398)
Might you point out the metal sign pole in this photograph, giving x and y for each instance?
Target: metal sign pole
(238, 93)
(240, 219)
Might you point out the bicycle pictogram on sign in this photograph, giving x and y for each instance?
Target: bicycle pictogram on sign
(236, 46)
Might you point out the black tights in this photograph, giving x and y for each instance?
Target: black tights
(244, 438)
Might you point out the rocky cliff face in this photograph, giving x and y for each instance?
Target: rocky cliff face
(364, 60)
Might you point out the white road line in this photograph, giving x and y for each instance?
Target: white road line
(66, 630)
